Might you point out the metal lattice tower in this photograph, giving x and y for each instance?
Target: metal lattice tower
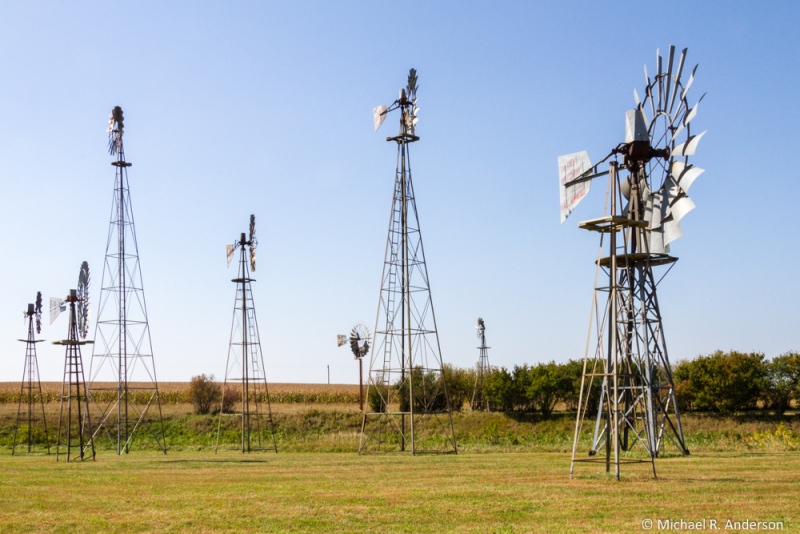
(482, 370)
(245, 363)
(122, 376)
(34, 428)
(408, 406)
(629, 378)
(74, 422)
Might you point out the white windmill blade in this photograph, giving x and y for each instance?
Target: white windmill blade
(252, 258)
(570, 167)
(688, 147)
(341, 340)
(677, 79)
(636, 98)
(689, 83)
(656, 243)
(687, 119)
(378, 115)
(229, 250)
(681, 207)
(56, 307)
(685, 174)
(654, 210)
(669, 76)
(672, 231)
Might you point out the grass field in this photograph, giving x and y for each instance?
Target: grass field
(511, 476)
(501, 492)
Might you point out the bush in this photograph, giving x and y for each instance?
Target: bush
(204, 393)
(460, 385)
(721, 382)
(230, 397)
(783, 381)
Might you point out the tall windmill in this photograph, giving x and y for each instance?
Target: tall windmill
(34, 428)
(409, 408)
(637, 409)
(74, 422)
(482, 370)
(245, 365)
(122, 374)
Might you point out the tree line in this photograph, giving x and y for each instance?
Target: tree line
(722, 382)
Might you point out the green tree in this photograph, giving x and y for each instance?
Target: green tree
(783, 381)
(547, 383)
(498, 388)
(722, 382)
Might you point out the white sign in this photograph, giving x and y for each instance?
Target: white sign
(570, 167)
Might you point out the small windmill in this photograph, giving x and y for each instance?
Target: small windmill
(75, 423)
(34, 428)
(360, 339)
(245, 364)
(406, 368)
(637, 395)
(482, 370)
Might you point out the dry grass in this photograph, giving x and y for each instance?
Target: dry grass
(202, 492)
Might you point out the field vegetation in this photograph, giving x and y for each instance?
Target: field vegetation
(511, 474)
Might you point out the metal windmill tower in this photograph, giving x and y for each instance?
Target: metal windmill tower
(245, 365)
(74, 422)
(479, 401)
(34, 428)
(637, 414)
(409, 408)
(122, 374)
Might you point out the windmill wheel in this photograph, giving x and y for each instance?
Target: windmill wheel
(360, 338)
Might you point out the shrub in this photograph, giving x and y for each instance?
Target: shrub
(722, 382)
(230, 397)
(783, 381)
(204, 393)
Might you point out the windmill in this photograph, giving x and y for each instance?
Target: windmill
(479, 401)
(406, 369)
(34, 428)
(75, 422)
(360, 339)
(245, 364)
(637, 409)
(123, 387)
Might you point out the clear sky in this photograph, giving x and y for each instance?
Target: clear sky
(235, 108)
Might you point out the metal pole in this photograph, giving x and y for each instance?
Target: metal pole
(361, 383)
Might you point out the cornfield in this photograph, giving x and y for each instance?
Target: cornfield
(178, 393)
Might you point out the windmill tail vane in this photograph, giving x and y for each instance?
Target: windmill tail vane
(407, 102)
(115, 130)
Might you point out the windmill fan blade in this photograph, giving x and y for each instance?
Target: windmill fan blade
(341, 340)
(688, 147)
(252, 226)
(681, 207)
(252, 258)
(672, 231)
(689, 83)
(378, 115)
(229, 251)
(677, 79)
(636, 98)
(669, 75)
(689, 116)
(685, 174)
(570, 167)
(39, 302)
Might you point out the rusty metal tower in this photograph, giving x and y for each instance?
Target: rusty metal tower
(30, 426)
(245, 365)
(408, 406)
(74, 422)
(637, 414)
(122, 375)
(482, 370)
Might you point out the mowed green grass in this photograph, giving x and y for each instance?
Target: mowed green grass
(327, 492)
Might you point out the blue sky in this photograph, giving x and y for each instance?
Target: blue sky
(256, 107)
